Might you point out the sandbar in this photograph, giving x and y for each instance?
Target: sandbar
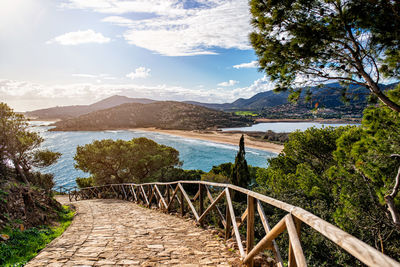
(219, 137)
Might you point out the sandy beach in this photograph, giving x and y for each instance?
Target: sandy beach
(219, 137)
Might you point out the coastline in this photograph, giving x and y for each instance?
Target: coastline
(218, 137)
(325, 121)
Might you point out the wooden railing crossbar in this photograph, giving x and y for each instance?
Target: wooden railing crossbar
(223, 221)
(267, 228)
(160, 193)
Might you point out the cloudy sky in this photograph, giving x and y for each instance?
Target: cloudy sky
(63, 52)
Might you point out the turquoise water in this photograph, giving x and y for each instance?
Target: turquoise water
(195, 154)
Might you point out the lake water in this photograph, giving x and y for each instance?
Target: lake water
(280, 127)
(195, 154)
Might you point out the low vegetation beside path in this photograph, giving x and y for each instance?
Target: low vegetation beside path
(19, 245)
(29, 215)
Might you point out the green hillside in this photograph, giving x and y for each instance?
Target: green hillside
(67, 112)
(163, 115)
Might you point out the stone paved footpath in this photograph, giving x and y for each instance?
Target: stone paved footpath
(109, 232)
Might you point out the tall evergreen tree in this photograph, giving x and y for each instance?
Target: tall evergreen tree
(240, 171)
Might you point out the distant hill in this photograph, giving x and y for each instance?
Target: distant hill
(163, 115)
(268, 104)
(328, 98)
(66, 112)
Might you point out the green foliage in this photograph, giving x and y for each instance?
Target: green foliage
(301, 165)
(240, 172)
(24, 245)
(224, 169)
(237, 174)
(223, 173)
(44, 158)
(366, 173)
(137, 160)
(246, 113)
(170, 174)
(309, 42)
(85, 182)
(20, 146)
(213, 177)
(298, 176)
(42, 180)
(342, 175)
(279, 138)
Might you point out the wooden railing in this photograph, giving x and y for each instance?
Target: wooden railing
(163, 195)
(62, 190)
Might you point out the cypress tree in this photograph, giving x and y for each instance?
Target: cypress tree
(240, 171)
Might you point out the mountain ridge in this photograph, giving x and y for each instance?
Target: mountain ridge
(66, 112)
(267, 104)
(160, 114)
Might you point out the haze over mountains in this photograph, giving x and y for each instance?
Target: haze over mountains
(266, 103)
(66, 112)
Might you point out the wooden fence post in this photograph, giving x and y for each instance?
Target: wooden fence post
(182, 203)
(168, 196)
(250, 227)
(228, 221)
(292, 260)
(201, 203)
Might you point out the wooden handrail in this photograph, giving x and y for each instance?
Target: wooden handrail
(160, 193)
(61, 189)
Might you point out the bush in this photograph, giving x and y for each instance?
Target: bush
(171, 174)
(276, 137)
(84, 182)
(42, 180)
(118, 161)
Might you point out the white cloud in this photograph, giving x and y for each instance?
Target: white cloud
(24, 95)
(117, 20)
(253, 64)
(82, 75)
(228, 83)
(94, 76)
(260, 85)
(80, 37)
(158, 7)
(173, 29)
(140, 72)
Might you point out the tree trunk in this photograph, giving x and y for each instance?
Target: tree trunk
(374, 88)
(390, 199)
(21, 173)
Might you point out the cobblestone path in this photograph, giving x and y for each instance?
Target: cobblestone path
(111, 232)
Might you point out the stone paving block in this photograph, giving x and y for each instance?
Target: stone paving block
(110, 232)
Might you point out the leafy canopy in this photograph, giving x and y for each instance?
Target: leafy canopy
(338, 174)
(363, 157)
(120, 161)
(310, 42)
(20, 146)
(345, 176)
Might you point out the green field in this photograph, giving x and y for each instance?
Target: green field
(246, 113)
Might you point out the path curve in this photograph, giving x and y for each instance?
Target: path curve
(110, 232)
